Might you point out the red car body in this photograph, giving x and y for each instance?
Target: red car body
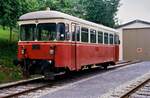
(72, 55)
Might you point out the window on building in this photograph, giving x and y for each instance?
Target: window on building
(93, 36)
(106, 38)
(84, 34)
(111, 38)
(100, 37)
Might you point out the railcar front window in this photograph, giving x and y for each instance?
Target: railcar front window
(46, 31)
(27, 32)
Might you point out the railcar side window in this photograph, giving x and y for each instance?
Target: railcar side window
(106, 38)
(67, 32)
(61, 35)
(46, 31)
(117, 41)
(93, 36)
(27, 32)
(73, 30)
(84, 34)
(100, 37)
(78, 33)
(111, 38)
(67, 28)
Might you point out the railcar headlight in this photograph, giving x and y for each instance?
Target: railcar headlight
(51, 51)
(22, 51)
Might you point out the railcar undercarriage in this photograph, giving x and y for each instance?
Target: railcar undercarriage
(41, 67)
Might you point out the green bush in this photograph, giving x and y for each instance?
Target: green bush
(15, 75)
(8, 52)
(2, 77)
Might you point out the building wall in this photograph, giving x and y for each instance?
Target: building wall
(136, 44)
(134, 25)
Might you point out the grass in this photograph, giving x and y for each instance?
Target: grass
(8, 52)
(4, 34)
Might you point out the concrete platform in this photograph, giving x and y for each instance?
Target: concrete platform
(100, 84)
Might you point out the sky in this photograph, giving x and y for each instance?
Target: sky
(134, 9)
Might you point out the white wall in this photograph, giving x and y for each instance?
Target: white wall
(121, 44)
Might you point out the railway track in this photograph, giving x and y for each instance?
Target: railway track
(15, 91)
(27, 86)
(142, 92)
(138, 88)
(20, 87)
(7, 85)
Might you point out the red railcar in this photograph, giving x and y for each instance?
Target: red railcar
(52, 42)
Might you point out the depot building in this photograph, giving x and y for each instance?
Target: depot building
(134, 40)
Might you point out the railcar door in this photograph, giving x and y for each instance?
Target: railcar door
(74, 46)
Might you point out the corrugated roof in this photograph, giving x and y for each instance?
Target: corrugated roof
(132, 22)
(48, 14)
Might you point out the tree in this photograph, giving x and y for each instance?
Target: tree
(100, 11)
(59, 5)
(10, 10)
(29, 6)
(9, 14)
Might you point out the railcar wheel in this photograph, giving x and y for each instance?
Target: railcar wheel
(47, 71)
(25, 73)
(105, 66)
(25, 69)
(67, 73)
(89, 66)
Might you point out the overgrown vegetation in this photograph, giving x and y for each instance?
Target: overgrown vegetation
(8, 52)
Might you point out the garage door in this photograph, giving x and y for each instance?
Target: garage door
(136, 44)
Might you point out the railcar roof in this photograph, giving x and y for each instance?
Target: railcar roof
(49, 14)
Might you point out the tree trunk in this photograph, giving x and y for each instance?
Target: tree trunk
(3, 27)
(10, 37)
